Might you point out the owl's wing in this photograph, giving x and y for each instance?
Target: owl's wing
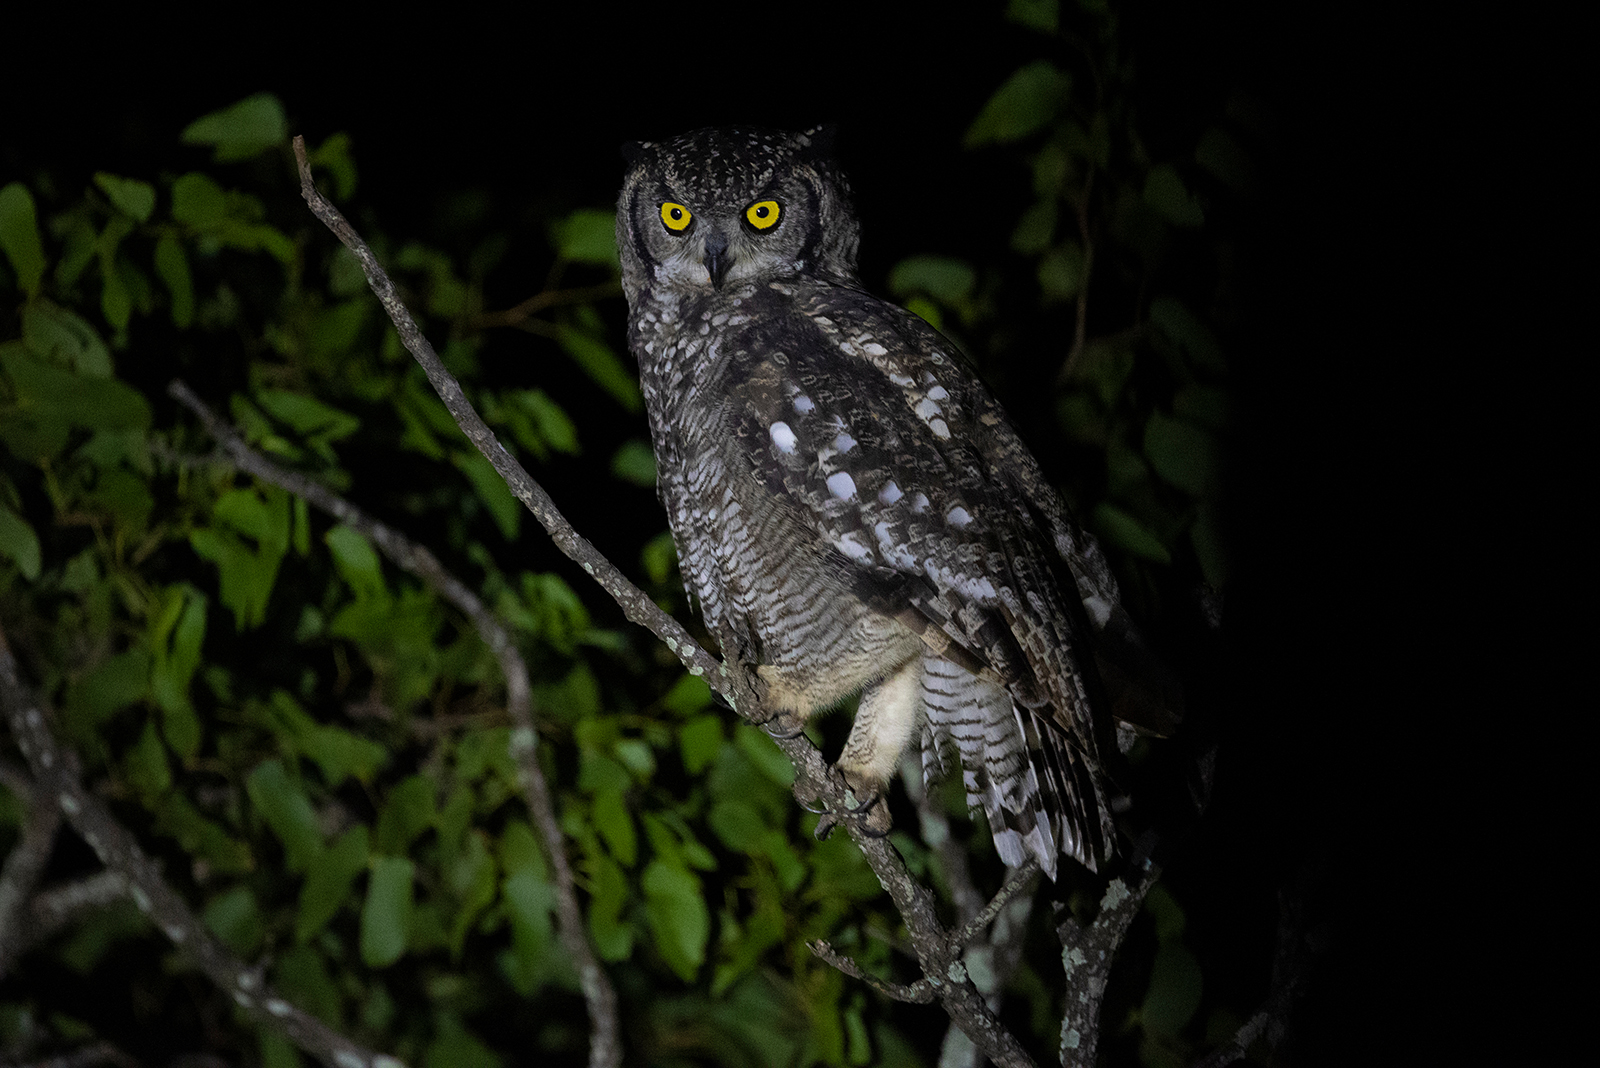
(861, 415)
(862, 418)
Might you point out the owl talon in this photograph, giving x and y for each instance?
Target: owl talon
(871, 815)
(783, 726)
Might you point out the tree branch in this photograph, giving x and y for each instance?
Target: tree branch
(1086, 957)
(605, 1048)
(24, 864)
(815, 780)
(56, 775)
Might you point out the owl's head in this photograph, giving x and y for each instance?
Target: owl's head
(719, 207)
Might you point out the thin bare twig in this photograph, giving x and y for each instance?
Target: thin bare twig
(921, 992)
(87, 1057)
(23, 866)
(518, 314)
(605, 1047)
(56, 775)
(815, 780)
(57, 907)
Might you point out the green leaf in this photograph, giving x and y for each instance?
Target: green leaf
(611, 819)
(330, 877)
(199, 202)
(944, 278)
(699, 742)
(209, 842)
(608, 893)
(1165, 192)
(689, 694)
(453, 1046)
(301, 974)
(176, 634)
(284, 805)
(549, 421)
(766, 756)
(492, 491)
(658, 557)
(386, 913)
(334, 160)
(530, 903)
(738, 824)
(679, 921)
(19, 236)
(601, 364)
(241, 130)
(245, 575)
(111, 686)
(1035, 229)
(1117, 527)
(307, 415)
(1061, 272)
(1183, 454)
(588, 236)
(172, 267)
(130, 196)
(357, 562)
(19, 543)
(635, 463)
(234, 917)
(1041, 15)
(340, 755)
(1027, 101)
(64, 337)
(146, 764)
(1175, 987)
(408, 813)
(472, 879)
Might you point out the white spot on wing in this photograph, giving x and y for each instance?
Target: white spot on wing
(1098, 611)
(803, 403)
(841, 485)
(843, 442)
(852, 546)
(937, 393)
(958, 517)
(926, 409)
(872, 348)
(783, 437)
(889, 493)
(919, 502)
(939, 427)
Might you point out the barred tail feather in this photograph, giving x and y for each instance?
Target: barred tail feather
(1040, 800)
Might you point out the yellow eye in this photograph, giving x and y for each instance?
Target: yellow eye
(676, 216)
(763, 214)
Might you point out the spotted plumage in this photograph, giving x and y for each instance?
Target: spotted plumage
(850, 505)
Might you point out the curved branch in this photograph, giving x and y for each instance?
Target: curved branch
(815, 779)
(23, 867)
(55, 772)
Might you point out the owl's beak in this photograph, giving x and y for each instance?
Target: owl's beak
(717, 259)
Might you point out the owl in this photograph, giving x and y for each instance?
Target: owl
(852, 509)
